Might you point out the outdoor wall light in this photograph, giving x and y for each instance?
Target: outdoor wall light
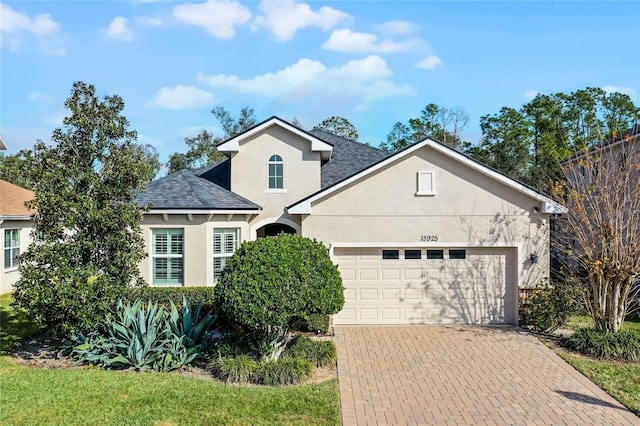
(534, 258)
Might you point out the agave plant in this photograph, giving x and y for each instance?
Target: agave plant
(195, 332)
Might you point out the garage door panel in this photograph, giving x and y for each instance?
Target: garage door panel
(391, 274)
(368, 274)
(392, 294)
(366, 294)
(349, 294)
(425, 291)
(348, 274)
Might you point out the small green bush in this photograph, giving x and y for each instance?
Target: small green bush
(284, 371)
(553, 304)
(237, 369)
(319, 353)
(623, 345)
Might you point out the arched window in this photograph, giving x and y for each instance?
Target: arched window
(275, 172)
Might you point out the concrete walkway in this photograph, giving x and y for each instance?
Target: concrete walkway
(422, 375)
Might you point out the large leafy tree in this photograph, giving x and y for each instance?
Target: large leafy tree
(203, 147)
(440, 123)
(530, 143)
(338, 126)
(599, 237)
(87, 222)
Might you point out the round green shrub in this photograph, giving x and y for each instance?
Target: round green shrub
(270, 281)
(553, 304)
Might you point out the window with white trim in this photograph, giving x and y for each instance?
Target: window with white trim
(426, 184)
(11, 248)
(276, 165)
(168, 256)
(225, 243)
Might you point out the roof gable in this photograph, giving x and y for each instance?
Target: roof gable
(318, 145)
(547, 205)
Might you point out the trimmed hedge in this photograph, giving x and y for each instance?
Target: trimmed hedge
(166, 295)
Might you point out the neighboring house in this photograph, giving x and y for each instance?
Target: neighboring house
(423, 236)
(3, 146)
(16, 225)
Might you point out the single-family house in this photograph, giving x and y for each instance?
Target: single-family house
(16, 225)
(426, 235)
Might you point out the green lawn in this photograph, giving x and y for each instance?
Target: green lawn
(92, 396)
(620, 380)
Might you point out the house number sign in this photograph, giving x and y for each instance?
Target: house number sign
(427, 238)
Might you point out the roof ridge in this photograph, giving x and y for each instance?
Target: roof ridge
(194, 184)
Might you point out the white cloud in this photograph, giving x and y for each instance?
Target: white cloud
(37, 95)
(395, 28)
(182, 97)
(624, 90)
(119, 29)
(46, 31)
(218, 17)
(531, 94)
(429, 63)
(284, 17)
(346, 40)
(149, 21)
(361, 81)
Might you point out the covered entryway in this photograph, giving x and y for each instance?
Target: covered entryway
(427, 285)
(274, 229)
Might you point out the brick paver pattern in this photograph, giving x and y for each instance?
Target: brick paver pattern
(426, 375)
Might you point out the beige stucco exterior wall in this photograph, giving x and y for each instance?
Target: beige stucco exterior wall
(198, 243)
(468, 209)
(9, 276)
(249, 174)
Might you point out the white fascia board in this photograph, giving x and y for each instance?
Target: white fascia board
(10, 217)
(192, 212)
(233, 144)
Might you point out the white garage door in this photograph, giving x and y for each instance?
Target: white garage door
(426, 286)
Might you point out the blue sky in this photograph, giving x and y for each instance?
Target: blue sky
(374, 63)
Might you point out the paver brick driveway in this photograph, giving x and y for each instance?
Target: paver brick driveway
(463, 376)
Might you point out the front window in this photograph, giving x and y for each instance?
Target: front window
(276, 180)
(168, 256)
(225, 243)
(11, 248)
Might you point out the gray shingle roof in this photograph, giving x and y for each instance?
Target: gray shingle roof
(348, 157)
(210, 187)
(185, 190)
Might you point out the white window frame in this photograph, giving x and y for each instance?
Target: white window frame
(11, 249)
(426, 183)
(275, 160)
(223, 252)
(168, 256)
